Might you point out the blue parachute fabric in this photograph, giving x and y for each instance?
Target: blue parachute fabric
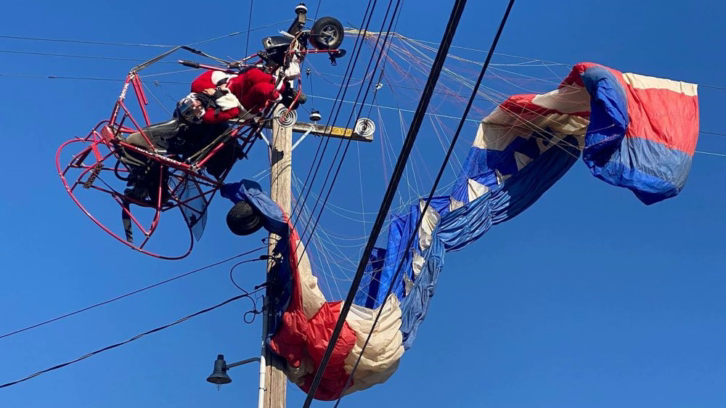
(643, 131)
(400, 229)
(369, 286)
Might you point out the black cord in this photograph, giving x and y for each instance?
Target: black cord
(433, 189)
(138, 336)
(350, 68)
(249, 26)
(392, 187)
(360, 111)
(105, 302)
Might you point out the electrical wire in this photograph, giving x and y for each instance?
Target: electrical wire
(249, 23)
(99, 57)
(138, 336)
(342, 91)
(127, 44)
(360, 111)
(137, 291)
(448, 36)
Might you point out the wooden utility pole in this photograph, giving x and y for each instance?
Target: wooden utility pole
(275, 381)
(281, 193)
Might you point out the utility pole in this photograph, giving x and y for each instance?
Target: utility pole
(281, 193)
(273, 381)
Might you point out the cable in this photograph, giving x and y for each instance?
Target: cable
(254, 312)
(125, 44)
(105, 302)
(433, 188)
(317, 9)
(360, 111)
(249, 23)
(343, 89)
(138, 336)
(51, 54)
(436, 68)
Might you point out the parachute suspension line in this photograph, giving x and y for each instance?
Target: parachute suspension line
(137, 291)
(360, 180)
(443, 145)
(448, 36)
(332, 117)
(360, 111)
(138, 336)
(320, 249)
(711, 153)
(493, 98)
(428, 199)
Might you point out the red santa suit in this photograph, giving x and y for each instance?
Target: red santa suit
(249, 93)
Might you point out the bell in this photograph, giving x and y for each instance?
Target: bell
(219, 375)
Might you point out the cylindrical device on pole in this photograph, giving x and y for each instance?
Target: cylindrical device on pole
(281, 193)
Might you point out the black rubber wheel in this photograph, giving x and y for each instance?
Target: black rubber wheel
(243, 219)
(327, 33)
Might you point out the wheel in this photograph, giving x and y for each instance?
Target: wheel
(243, 219)
(327, 33)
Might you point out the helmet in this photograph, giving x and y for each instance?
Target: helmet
(190, 109)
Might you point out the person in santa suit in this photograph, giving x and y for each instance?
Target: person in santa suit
(216, 98)
(236, 96)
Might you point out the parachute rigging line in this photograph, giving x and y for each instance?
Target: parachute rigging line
(438, 65)
(137, 291)
(138, 336)
(350, 117)
(436, 183)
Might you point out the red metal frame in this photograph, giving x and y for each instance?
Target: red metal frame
(98, 154)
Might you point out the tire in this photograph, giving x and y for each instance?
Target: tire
(330, 27)
(243, 219)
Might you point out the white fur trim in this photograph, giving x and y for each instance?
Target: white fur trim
(228, 101)
(219, 75)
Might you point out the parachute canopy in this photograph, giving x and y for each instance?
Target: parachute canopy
(632, 131)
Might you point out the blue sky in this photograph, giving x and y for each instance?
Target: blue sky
(587, 299)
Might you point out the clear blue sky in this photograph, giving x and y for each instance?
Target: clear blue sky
(588, 299)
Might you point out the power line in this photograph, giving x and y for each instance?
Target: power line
(52, 54)
(137, 291)
(65, 40)
(138, 336)
(414, 232)
(249, 23)
(360, 111)
(436, 68)
(128, 44)
(342, 91)
(438, 115)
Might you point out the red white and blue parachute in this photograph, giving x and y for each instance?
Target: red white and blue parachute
(632, 131)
